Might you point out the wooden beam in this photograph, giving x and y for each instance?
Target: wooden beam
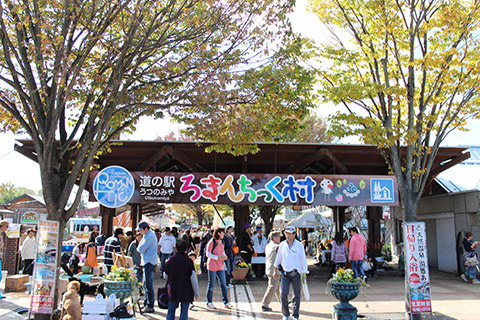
(301, 165)
(152, 160)
(435, 172)
(184, 159)
(25, 152)
(336, 163)
(316, 157)
(453, 161)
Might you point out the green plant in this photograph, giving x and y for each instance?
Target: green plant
(346, 276)
(123, 274)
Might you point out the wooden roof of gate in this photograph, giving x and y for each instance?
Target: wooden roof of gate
(284, 158)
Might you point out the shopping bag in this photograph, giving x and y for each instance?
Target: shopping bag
(305, 290)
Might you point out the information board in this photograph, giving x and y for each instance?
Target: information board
(43, 288)
(416, 266)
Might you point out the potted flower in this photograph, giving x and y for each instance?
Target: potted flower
(122, 282)
(345, 287)
(241, 269)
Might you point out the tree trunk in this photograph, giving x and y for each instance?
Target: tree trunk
(409, 212)
(56, 296)
(268, 214)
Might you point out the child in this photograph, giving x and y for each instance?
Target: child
(367, 266)
(193, 256)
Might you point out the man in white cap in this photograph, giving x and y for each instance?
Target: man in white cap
(291, 262)
(148, 251)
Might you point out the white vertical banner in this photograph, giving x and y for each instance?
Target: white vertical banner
(416, 267)
(43, 288)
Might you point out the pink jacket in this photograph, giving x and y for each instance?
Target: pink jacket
(357, 248)
(213, 262)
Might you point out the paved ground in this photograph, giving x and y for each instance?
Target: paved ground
(384, 299)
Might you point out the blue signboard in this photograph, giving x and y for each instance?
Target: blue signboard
(113, 187)
(382, 191)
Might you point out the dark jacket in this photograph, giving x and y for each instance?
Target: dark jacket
(228, 243)
(243, 241)
(179, 269)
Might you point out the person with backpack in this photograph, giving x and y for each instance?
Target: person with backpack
(215, 252)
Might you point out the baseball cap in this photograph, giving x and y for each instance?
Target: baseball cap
(290, 229)
(259, 228)
(141, 225)
(246, 225)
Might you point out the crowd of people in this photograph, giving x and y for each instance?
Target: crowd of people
(174, 254)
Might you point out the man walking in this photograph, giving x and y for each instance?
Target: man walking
(357, 250)
(148, 251)
(112, 245)
(270, 257)
(228, 242)
(166, 245)
(291, 262)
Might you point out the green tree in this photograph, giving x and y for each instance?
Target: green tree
(8, 192)
(408, 76)
(77, 73)
(313, 128)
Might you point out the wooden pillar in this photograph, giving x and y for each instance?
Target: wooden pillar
(374, 215)
(240, 215)
(107, 215)
(136, 210)
(339, 218)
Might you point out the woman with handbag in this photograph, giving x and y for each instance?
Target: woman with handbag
(470, 259)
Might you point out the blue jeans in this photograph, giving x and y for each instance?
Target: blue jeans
(212, 276)
(284, 288)
(471, 272)
(163, 258)
(229, 264)
(139, 274)
(148, 271)
(357, 268)
(172, 306)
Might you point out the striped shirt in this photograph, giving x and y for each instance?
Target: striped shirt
(339, 252)
(111, 245)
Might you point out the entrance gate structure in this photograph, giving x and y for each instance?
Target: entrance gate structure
(335, 175)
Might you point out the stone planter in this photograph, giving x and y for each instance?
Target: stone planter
(240, 273)
(121, 289)
(344, 291)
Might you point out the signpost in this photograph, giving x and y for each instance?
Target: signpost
(115, 186)
(43, 288)
(29, 217)
(416, 266)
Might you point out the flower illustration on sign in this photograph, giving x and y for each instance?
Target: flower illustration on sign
(351, 191)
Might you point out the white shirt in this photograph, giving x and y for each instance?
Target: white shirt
(167, 243)
(291, 257)
(259, 244)
(28, 248)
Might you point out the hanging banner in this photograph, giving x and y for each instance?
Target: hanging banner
(113, 188)
(416, 266)
(43, 287)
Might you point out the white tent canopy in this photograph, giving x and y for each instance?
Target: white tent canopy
(310, 219)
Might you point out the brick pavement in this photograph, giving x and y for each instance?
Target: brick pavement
(384, 299)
